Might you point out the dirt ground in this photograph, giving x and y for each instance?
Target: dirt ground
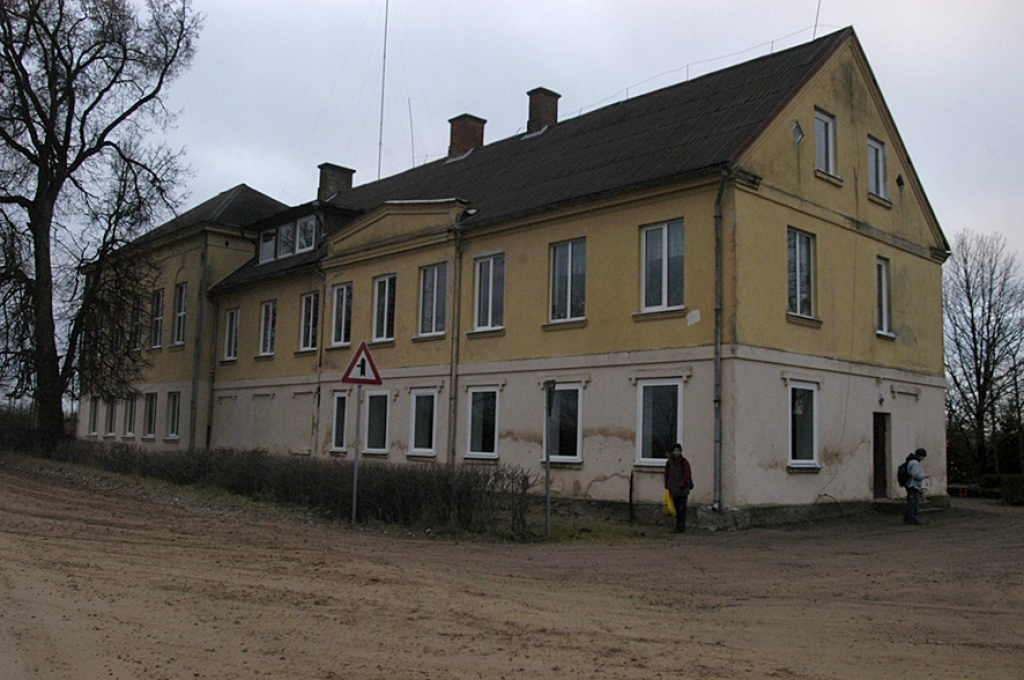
(110, 577)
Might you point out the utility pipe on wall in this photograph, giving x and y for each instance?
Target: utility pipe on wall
(717, 504)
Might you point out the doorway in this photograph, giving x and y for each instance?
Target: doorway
(881, 455)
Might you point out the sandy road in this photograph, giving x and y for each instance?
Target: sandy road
(104, 577)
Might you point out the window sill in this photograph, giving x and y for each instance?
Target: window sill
(428, 338)
(564, 325)
(155, 348)
(885, 335)
(880, 200)
(304, 352)
(338, 346)
(263, 357)
(421, 454)
(481, 457)
(172, 440)
(176, 347)
(801, 320)
(565, 464)
(486, 333)
(383, 342)
(110, 435)
(229, 361)
(376, 454)
(149, 437)
(650, 465)
(128, 437)
(803, 468)
(338, 453)
(828, 177)
(656, 314)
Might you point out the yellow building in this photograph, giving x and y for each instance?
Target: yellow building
(745, 263)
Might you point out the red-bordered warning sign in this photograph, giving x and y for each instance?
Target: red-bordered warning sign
(361, 370)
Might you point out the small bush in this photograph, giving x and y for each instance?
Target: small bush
(1012, 489)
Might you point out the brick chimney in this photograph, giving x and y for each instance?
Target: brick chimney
(333, 178)
(467, 133)
(543, 109)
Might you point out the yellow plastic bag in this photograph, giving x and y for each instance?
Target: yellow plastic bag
(668, 508)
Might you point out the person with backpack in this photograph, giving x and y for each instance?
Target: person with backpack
(914, 476)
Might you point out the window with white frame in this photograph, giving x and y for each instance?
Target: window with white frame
(173, 413)
(490, 292)
(149, 415)
(876, 168)
(286, 240)
(129, 416)
(800, 253)
(384, 307)
(342, 331)
(156, 318)
(569, 280)
(94, 415)
(340, 412)
(111, 418)
(803, 424)
(231, 334)
(433, 288)
(377, 412)
(268, 327)
(483, 422)
(660, 418)
(180, 306)
(268, 245)
(884, 321)
(422, 437)
(137, 323)
(306, 236)
(825, 142)
(664, 248)
(310, 321)
(563, 429)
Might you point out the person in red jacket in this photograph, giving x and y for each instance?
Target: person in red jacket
(678, 481)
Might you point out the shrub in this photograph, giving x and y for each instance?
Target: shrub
(1012, 489)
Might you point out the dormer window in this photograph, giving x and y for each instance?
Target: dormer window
(288, 239)
(307, 234)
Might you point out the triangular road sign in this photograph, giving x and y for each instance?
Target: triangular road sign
(361, 370)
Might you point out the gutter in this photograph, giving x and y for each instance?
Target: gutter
(717, 504)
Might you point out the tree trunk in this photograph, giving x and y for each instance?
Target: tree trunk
(49, 390)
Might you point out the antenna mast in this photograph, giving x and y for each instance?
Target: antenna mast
(383, 75)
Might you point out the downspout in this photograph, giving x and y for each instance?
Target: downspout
(322, 331)
(717, 504)
(453, 393)
(197, 342)
(213, 371)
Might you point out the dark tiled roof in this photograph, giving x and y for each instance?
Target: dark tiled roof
(683, 130)
(237, 207)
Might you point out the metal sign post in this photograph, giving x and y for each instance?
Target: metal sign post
(361, 371)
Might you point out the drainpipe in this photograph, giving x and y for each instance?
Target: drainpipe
(453, 394)
(717, 505)
(197, 344)
(213, 371)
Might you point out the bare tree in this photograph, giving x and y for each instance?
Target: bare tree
(81, 86)
(983, 301)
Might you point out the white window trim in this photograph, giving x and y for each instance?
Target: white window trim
(180, 309)
(281, 253)
(578, 458)
(413, 395)
(156, 325)
(880, 186)
(812, 265)
(483, 455)
(883, 283)
(387, 423)
(664, 306)
(477, 262)
(308, 329)
(813, 388)
(130, 406)
(392, 285)
(656, 382)
(110, 418)
(437, 295)
(173, 414)
(268, 331)
(151, 405)
(344, 289)
(298, 230)
(829, 122)
(94, 415)
(338, 396)
(568, 288)
(231, 334)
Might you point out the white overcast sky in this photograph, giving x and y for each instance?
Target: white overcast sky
(280, 86)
